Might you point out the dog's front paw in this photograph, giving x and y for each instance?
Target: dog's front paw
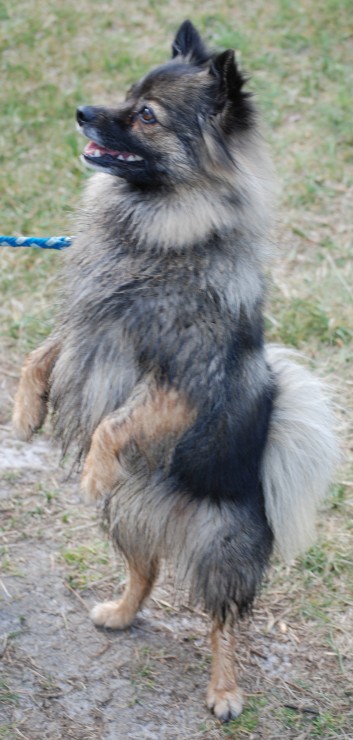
(226, 704)
(29, 414)
(102, 469)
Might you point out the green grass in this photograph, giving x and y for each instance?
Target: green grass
(248, 721)
(298, 54)
(7, 696)
(325, 725)
(7, 732)
(305, 320)
(84, 563)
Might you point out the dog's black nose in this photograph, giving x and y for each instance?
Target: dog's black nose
(85, 114)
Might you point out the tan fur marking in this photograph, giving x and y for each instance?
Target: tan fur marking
(151, 418)
(224, 696)
(30, 407)
(119, 614)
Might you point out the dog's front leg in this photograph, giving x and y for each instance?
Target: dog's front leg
(152, 420)
(103, 469)
(224, 696)
(31, 400)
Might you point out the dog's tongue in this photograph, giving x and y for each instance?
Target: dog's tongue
(92, 149)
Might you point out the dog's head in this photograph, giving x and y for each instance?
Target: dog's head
(179, 120)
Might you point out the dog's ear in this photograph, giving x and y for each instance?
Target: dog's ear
(189, 45)
(226, 68)
(234, 104)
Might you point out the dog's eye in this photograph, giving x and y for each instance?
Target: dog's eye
(147, 115)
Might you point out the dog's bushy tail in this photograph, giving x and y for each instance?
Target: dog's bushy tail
(300, 456)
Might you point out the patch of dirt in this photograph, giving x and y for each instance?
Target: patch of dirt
(60, 677)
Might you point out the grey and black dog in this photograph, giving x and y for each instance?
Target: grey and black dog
(200, 443)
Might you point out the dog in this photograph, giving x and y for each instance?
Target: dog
(199, 443)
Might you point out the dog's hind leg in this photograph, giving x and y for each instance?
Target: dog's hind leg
(224, 696)
(119, 614)
(31, 401)
(227, 549)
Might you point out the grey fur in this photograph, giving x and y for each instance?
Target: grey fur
(114, 220)
(196, 537)
(143, 262)
(301, 453)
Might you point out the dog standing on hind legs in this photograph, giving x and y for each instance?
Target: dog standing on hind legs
(199, 443)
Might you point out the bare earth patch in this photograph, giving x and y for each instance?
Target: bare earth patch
(60, 677)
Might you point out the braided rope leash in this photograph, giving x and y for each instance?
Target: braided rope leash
(50, 242)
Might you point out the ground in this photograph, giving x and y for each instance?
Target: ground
(60, 677)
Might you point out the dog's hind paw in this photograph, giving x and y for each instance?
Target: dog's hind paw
(111, 614)
(225, 704)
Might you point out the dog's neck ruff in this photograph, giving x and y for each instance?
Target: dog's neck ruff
(181, 218)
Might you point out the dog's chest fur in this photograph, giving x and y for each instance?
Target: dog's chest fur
(191, 318)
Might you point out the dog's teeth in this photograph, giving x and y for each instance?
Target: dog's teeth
(129, 158)
(96, 153)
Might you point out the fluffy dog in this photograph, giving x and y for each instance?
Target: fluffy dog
(199, 443)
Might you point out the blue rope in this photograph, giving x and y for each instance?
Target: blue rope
(50, 242)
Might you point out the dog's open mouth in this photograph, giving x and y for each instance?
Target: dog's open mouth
(98, 154)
